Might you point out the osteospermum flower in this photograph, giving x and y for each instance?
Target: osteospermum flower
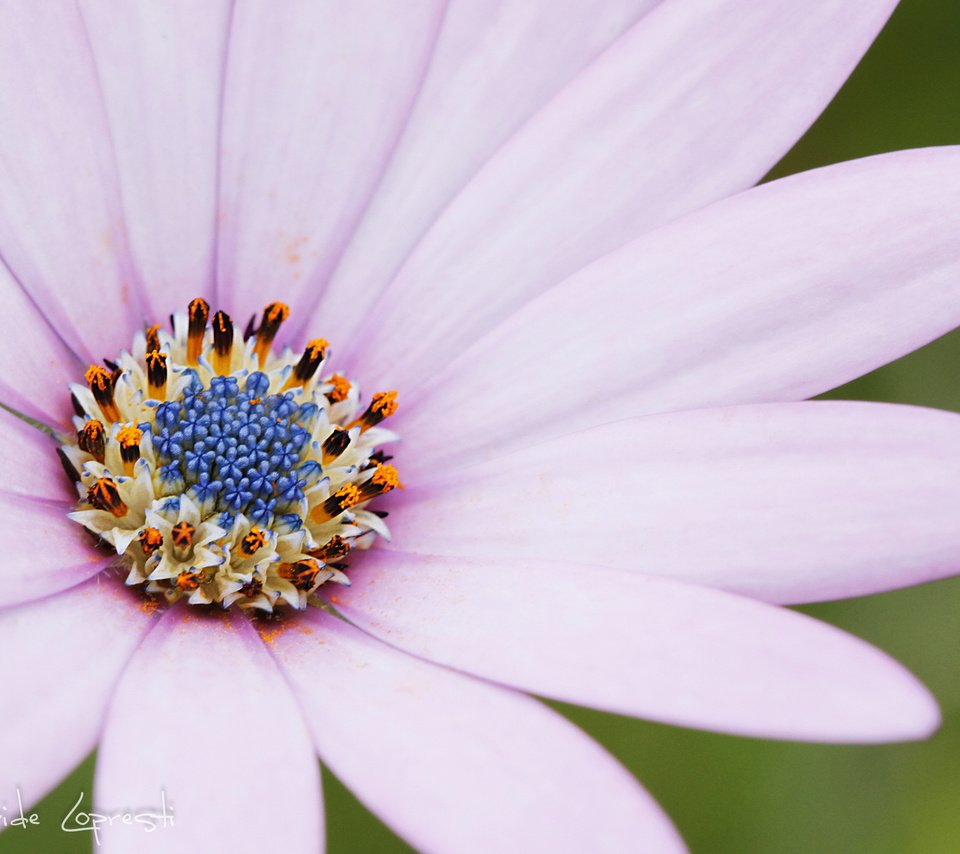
(513, 221)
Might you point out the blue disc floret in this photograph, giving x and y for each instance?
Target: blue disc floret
(236, 450)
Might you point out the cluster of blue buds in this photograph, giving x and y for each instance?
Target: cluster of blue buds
(236, 451)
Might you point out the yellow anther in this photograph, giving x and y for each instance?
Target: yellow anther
(92, 440)
(313, 355)
(344, 498)
(383, 405)
(302, 574)
(102, 384)
(222, 342)
(157, 375)
(151, 540)
(341, 388)
(129, 439)
(253, 542)
(198, 314)
(336, 548)
(273, 315)
(104, 495)
(182, 534)
(153, 339)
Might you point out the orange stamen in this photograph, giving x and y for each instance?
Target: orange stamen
(151, 540)
(344, 498)
(104, 495)
(129, 439)
(198, 314)
(341, 388)
(153, 338)
(157, 375)
(222, 342)
(183, 535)
(102, 384)
(91, 440)
(383, 405)
(273, 315)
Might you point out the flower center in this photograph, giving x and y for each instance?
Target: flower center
(237, 451)
(223, 473)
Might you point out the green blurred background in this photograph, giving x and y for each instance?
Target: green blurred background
(740, 795)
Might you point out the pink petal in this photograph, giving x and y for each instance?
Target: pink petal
(695, 102)
(316, 96)
(61, 217)
(786, 503)
(639, 646)
(496, 63)
(63, 656)
(30, 465)
(161, 69)
(780, 293)
(454, 764)
(44, 551)
(35, 365)
(202, 714)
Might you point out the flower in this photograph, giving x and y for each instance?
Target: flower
(530, 224)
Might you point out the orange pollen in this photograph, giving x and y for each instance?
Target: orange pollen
(340, 390)
(150, 540)
(303, 574)
(104, 495)
(97, 376)
(335, 444)
(384, 403)
(199, 309)
(253, 542)
(348, 495)
(273, 315)
(386, 477)
(198, 313)
(153, 338)
(130, 437)
(304, 370)
(157, 372)
(101, 383)
(336, 548)
(276, 313)
(183, 534)
(317, 348)
(252, 588)
(222, 342)
(344, 498)
(91, 440)
(188, 581)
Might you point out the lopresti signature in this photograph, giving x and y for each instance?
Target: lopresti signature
(80, 820)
